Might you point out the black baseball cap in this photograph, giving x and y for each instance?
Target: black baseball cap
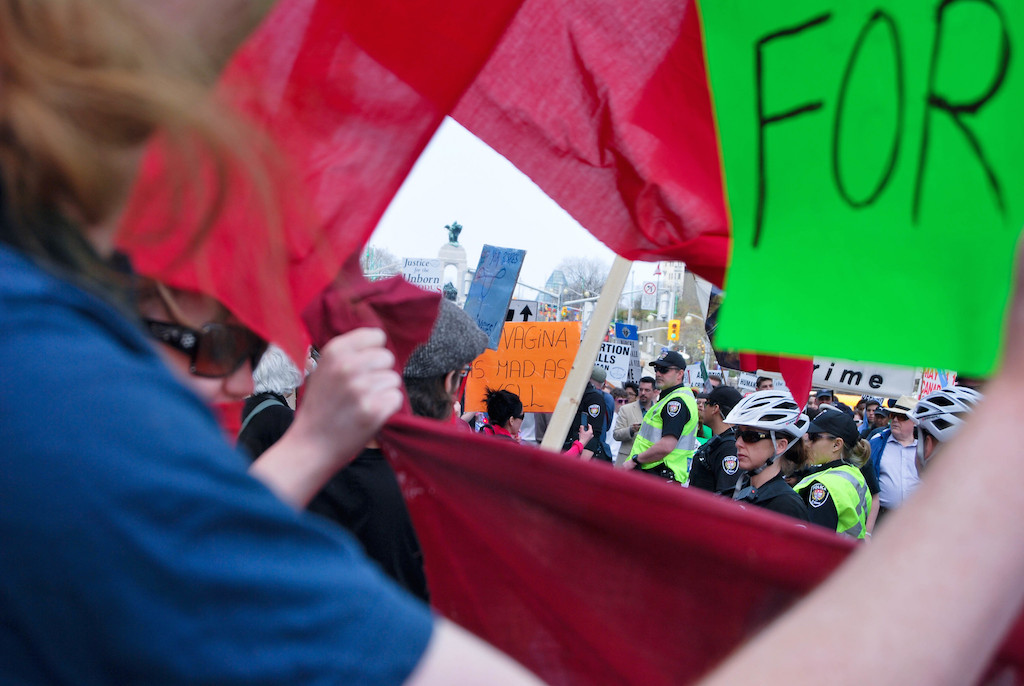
(836, 423)
(670, 359)
(726, 397)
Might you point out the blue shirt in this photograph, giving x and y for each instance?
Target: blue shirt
(135, 548)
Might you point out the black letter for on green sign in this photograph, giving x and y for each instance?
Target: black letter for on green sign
(898, 65)
(956, 111)
(763, 120)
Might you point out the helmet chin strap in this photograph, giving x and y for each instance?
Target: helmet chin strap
(770, 460)
(921, 464)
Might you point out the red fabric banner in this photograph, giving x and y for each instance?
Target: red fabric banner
(584, 574)
(605, 105)
(405, 311)
(587, 575)
(349, 94)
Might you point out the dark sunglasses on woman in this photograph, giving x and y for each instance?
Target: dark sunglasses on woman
(751, 435)
(216, 350)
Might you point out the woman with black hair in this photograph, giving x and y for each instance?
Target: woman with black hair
(504, 414)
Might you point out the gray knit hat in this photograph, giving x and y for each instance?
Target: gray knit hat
(455, 341)
(599, 374)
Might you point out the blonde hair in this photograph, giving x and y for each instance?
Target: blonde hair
(83, 85)
(859, 454)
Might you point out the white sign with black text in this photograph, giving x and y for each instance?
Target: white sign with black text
(621, 359)
(863, 378)
(522, 311)
(424, 273)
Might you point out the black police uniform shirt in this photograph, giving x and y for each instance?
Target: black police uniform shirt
(673, 424)
(593, 406)
(775, 495)
(823, 511)
(715, 465)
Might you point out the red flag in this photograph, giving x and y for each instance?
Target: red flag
(349, 93)
(591, 576)
(797, 371)
(606, 107)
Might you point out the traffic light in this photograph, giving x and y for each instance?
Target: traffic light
(673, 329)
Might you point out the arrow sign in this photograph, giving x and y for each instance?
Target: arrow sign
(522, 310)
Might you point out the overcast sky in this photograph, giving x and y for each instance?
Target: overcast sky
(459, 178)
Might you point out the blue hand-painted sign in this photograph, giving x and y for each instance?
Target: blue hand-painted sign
(492, 287)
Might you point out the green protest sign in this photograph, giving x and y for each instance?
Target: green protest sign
(878, 142)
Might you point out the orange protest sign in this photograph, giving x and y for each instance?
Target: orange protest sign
(533, 360)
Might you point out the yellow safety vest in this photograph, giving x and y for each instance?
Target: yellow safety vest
(681, 457)
(848, 490)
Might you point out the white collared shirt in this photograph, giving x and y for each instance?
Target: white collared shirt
(898, 476)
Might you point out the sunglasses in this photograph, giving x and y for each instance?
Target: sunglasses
(216, 350)
(662, 370)
(621, 401)
(898, 417)
(752, 435)
(818, 436)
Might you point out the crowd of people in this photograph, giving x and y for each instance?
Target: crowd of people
(139, 546)
(825, 463)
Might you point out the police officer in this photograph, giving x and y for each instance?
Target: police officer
(592, 412)
(668, 435)
(767, 424)
(835, 491)
(715, 466)
(939, 416)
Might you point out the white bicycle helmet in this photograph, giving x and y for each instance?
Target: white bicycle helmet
(770, 411)
(942, 412)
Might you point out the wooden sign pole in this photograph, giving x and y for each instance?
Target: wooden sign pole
(579, 375)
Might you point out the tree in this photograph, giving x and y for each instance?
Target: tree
(583, 275)
(379, 263)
